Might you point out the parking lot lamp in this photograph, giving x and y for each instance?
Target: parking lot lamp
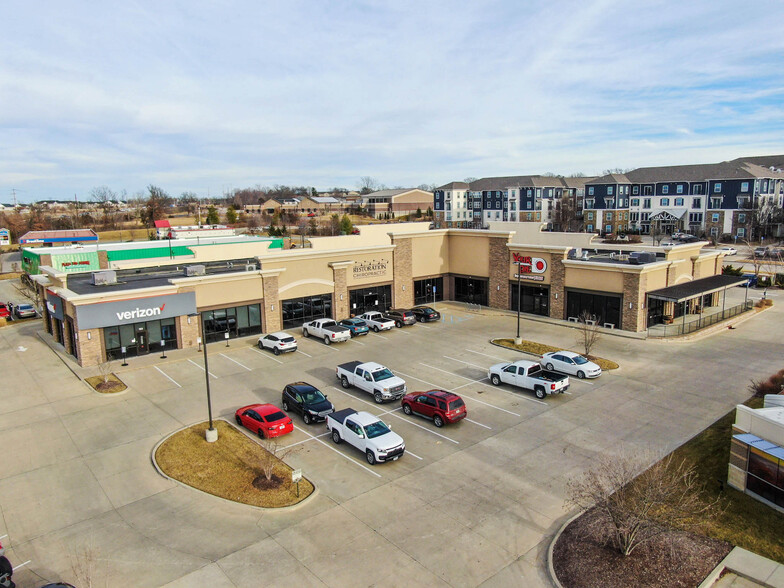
(518, 339)
(212, 433)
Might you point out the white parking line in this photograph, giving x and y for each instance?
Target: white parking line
(22, 564)
(465, 362)
(485, 354)
(411, 453)
(485, 378)
(201, 367)
(3, 536)
(265, 355)
(305, 440)
(303, 353)
(352, 460)
(357, 342)
(379, 336)
(391, 413)
(235, 361)
(480, 424)
(468, 397)
(165, 376)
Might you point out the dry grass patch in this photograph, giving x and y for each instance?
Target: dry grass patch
(109, 385)
(227, 468)
(125, 235)
(541, 349)
(10, 276)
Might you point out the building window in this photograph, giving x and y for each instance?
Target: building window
(665, 202)
(715, 217)
(665, 189)
(714, 231)
(679, 188)
(679, 202)
(609, 190)
(589, 216)
(696, 189)
(695, 217)
(646, 202)
(741, 232)
(590, 190)
(608, 228)
(589, 203)
(238, 321)
(635, 201)
(608, 216)
(696, 203)
(741, 218)
(609, 203)
(717, 187)
(647, 190)
(744, 186)
(635, 189)
(528, 216)
(716, 202)
(590, 228)
(529, 205)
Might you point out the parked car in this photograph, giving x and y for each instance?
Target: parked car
(25, 311)
(402, 317)
(439, 406)
(308, 401)
(777, 254)
(280, 342)
(377, 321)
(569, 362)
(373, 378)
(751, 281)
(6, 570)
(265, 419)
(528, 375)
(677, 235)
(4, 312)
(326, 329)
(761, 251)
(688, 238)
(666, 244)
(728, 250)
(356, 326)
(425, 314)
(368, 433)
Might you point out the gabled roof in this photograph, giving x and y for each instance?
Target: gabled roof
(726, 170)
(611, 179)
(325, 199)
(454, 186)
(395, 192)
(767, 161)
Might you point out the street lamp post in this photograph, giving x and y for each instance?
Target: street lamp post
(212, 433)
(518, 339)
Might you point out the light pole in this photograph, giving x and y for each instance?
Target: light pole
(212, 433)
(518, 339)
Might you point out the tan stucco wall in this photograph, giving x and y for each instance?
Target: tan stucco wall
(468, 255)
(430, 254)
(369, 236)
(231, 291)
(591, 279)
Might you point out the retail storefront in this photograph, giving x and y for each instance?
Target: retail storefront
(237, 321)
(308, 308)
(429, 290)
(470, 289)
(362, 300)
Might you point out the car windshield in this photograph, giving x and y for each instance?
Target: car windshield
(455, 404)
(579, 360)
(24, 307)
(376, 429)
(358, 323)
(384, 374)
(275, 416)
(311, 396)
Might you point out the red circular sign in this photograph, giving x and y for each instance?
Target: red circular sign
(540, 265)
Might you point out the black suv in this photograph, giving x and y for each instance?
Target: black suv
(425, 314)
(400, 316)
(307, 400)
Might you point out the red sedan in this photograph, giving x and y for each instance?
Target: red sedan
(265, 419)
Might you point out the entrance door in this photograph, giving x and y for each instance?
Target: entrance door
(142, 342)
(370, 302)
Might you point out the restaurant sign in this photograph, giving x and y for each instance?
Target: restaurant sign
(529, 265)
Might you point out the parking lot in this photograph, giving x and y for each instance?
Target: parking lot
(469, 504)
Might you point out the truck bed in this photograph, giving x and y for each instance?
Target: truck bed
(350, 366)
(341, 415)
(550, 376)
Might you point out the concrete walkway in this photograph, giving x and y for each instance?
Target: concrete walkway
(746, 570)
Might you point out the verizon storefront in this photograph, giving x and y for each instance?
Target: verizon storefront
(137, 326)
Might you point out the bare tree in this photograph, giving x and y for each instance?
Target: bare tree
(588, 335)
(105, 369)
(368, 184)
(271, 456)
(635, 506)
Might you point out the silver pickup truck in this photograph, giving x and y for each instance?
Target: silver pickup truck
(326, 329)
(528, 375)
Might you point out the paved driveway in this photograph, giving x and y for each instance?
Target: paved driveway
(472, 504)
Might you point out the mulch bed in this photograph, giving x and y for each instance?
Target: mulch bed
(113, 385)
(673, 559)
(542, 348)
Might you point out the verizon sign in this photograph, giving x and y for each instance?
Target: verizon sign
(137, 310)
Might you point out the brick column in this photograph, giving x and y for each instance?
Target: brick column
(270, 308)
(340, 277)
(187, 333)
(50, 326)
(633, 319)
(498, 283)
(403, 281)
(67, 336)
(671, 275)
(557, 287)
(103, 259)
(89, 347)
(695, 268)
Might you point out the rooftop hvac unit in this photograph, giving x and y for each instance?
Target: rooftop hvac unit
(195, 270)
(585, 256)
(251, 267)
(104, 278)
(641, 257)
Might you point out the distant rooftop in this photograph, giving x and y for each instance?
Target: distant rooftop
(66, 236)
(157, 243)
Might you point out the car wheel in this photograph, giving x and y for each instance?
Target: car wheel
(549, 367)
(581, 374)
(495, 380)
(261, 346)
(239, 420)
(378, 398)
(305, 333)
(399, 325)
(285, 405)
(421, 319)
(326, 340)
(306, 418)
(539, 391)
(276, 351)
(371, 458)
(375, 328)
(353, 334)
(344, 382)
(261, 433)
(335, 436)
(407, 409)
(438, 421)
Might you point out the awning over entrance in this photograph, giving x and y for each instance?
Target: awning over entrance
(668, 216)
(701, 287)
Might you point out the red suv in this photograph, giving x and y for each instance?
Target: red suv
(439, 405)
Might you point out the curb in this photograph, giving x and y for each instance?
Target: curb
(492, 342)
(158, 469)
(550, 568)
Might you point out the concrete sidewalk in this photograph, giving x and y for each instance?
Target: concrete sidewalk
(749, 570)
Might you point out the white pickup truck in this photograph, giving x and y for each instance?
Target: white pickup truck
(377, 321)
(528, 375)
(326, 329)
(373, 378)
(370, 435)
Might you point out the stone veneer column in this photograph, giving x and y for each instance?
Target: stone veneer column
(187, 333)
(67, 336)
(557, 287)
(89, 347)
(103, 259)
(633, 319)
(498, 272)
(402, 270)
(695, 268)
(271, 311)
(340, 296)
(671, 273)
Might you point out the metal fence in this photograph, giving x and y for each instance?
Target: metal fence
(678, 328)
(470, 307)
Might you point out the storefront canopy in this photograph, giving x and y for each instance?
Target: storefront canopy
(701, 287)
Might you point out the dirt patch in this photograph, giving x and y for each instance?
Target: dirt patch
(230, 467)
(542, 348)
(112, 385)
(581, 559)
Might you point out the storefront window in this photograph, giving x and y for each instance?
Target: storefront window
(300, 310)
(237, 321)
(606, 308)
(423, 290)
(533, 299)
(473, 290)
(140, 338)
(366, 299)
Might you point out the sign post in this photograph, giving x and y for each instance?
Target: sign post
(296, 476)
(226, 336)
(124, 363)
(163, 349)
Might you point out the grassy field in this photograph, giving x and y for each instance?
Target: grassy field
(744, 522)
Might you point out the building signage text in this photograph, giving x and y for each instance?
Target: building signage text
(529, 277)
(123, 312)
(529, 265)
(369, 269)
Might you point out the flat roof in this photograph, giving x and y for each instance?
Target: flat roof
(149, 277)
(700, 287)
(64, 236)
(192, 242)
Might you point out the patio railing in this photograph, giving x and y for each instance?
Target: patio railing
(698, 323)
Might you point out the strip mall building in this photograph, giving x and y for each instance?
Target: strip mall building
(132, 308)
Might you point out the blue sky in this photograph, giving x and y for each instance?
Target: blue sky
(207, 97)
